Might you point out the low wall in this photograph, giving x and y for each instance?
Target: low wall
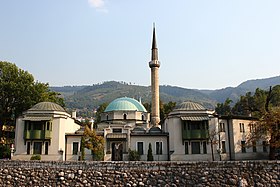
(43, 173)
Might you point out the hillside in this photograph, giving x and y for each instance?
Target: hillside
(89, 97)
(93, 96)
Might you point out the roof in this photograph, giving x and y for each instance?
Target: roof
(194, 118)
(47, 106)
(125, 104)
(37, 118)
(190, 106)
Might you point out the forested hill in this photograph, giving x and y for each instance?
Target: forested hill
(89, 97)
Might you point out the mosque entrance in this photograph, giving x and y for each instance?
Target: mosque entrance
(117, 151)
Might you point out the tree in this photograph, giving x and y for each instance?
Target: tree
(268, 126)
(133, 155)
(19, 92)
(150, 153)
(165, 109)
(95, 143)
(264, 106)
(100, 109)
(213, 141)
(224, 108)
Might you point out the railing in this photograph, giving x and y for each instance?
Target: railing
(37, 134)
(195, 134)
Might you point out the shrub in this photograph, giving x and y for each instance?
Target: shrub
(133, 155)
(150, 153)
(35, 157)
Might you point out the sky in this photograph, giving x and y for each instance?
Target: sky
(203, 44)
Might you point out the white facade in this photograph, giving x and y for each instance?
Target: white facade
(234, 132)
(225, 138)
(41, 130)
(126, 122)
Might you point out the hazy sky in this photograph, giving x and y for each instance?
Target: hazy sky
(202, 43)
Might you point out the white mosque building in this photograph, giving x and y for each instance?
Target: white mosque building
(189, 133)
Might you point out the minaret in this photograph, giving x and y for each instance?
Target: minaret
(154, 65)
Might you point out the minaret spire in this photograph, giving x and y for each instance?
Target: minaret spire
(154, 45)
(154, 65)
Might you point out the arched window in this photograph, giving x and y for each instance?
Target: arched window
(143, 117)
(124, 116)
(107, 117)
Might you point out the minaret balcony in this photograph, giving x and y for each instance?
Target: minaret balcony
(154, 63)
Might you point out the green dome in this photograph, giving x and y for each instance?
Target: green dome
(125, 103)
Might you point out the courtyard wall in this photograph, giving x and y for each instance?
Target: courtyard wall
(53, 173)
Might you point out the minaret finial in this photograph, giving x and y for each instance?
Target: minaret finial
(154, 45)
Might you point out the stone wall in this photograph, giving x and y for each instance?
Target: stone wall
(43, 173)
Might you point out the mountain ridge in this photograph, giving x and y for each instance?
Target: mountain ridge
(90, 97)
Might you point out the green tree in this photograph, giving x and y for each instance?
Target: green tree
(95, 143)
(224, 108)
(251, 105)
(165, 109)
(19, 92)
(150, 153)
(133, 155)
(100, 109)
(83, 148)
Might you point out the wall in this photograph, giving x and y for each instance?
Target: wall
(43, 173)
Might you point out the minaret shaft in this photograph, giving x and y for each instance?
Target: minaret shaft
(154, 65)
(155, 113)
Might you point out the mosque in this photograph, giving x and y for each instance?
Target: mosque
(189, 133)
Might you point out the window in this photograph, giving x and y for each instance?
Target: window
(48, 126)
(204, 147)
(107, 117)
(265, 146)
(27, 125)
(28, 148)
(222, 127)
(195, 147)
(124, 116)
(185, 126)
(75, 148)
(37, 148)
(243, 148)
(140, 148)
(186, 148)
(143, 117)
(254, 146)
(241, 126)
(46, 148)
(38, 125)
(117, 130)
(159, 148)
(224, 147)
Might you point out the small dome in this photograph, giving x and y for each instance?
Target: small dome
(125, 103)
(47, 106)
(190, 106)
